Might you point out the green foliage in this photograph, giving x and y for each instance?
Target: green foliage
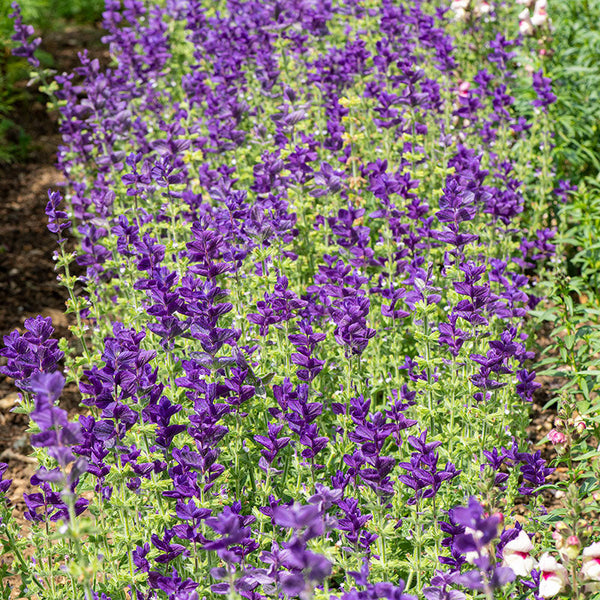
(44, 15)
(14, 142)
(47, 15)
(13, 74)
(575, 68)
(572, 345)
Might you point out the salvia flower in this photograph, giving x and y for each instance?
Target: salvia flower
(440, 587)
(4, 483)
(57, 434)
(304, 569)
(475, 543)
(56, 217)
(543, 88)
(31, 353)
(26, 47)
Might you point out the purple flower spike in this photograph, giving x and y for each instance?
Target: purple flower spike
(422, 474)
(298, 517)
(439, 589)
(22, 34)
(472, 516)
(543, 88)
(57, 434)
(478, 532)
(4, 484)
(54, 215)
(31, 353)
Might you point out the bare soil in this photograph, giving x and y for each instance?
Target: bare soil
(28, 284)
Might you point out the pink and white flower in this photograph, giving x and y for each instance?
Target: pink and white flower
(463, 89)
(460, 5)
(460, 8)
(553, 576)
(483, 8)
(516, 555)
(590, 568)
(525, 24)
(557, 437)
(580, 424)
(540, 14)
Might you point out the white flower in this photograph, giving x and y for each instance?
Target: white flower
(484, 7)
(460, 14)
(553, 576)
(540, 16)
(473, 555)
(516, 555)
(590, 568)
(459, 5)
(525, 25)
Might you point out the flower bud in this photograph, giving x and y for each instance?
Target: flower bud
(571, 549)
(558, 540)
(580, 425)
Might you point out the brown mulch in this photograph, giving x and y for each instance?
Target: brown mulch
(28, 284)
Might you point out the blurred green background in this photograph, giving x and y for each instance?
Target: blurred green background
(47, 17)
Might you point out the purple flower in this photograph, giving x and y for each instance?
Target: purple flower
(440, 587)
(169, 551)
(298, 517)
(4, 483)
(543, 88)
(480, 530)
(352, 332)
(306, 569)
(31, 353)
(172, 585)
(422, 474)
(23, 33)
(55, 216)
(57, 434)
(235, 540)
(484, 529)
(271, 442)
(527, 384)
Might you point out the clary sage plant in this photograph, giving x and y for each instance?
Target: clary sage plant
(310, 236)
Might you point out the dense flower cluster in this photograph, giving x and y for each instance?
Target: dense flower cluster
(308, 252)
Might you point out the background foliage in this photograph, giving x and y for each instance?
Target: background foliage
(45, 16)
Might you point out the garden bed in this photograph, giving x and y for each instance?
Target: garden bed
(320, 332)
